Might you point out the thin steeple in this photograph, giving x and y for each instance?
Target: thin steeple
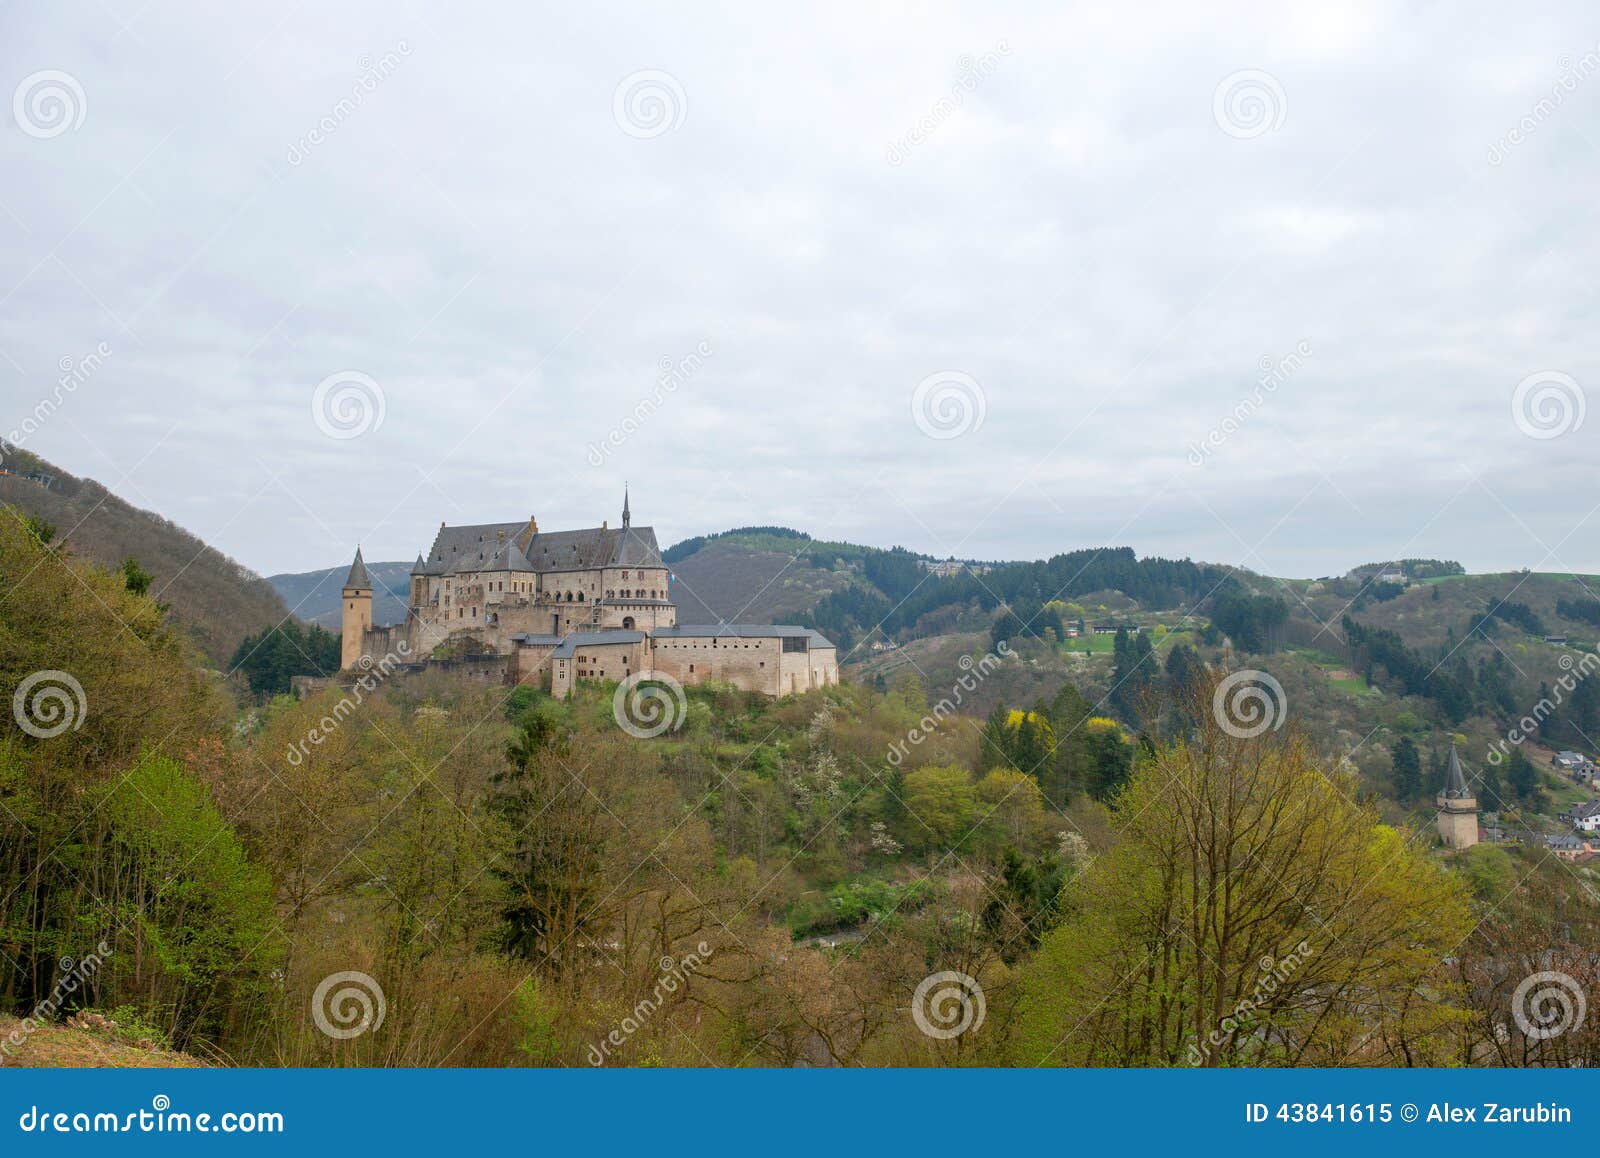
(357, 579)
(627, 515)
(1455, 782)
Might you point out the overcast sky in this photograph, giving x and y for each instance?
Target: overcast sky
(981, 280)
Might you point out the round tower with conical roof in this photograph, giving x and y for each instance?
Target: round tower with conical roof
(356, 613)
(1458, 808)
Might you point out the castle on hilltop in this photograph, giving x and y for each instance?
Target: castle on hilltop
(551, 608)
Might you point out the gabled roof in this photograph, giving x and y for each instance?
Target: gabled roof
(480, 547)
(358, 574)
(741, 631)
(571, 643)
(510, 558)
(468, 548)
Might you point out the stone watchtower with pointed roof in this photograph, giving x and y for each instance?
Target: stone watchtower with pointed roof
(357, 614)
(1458, 808)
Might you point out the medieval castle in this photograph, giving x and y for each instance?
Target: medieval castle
(508, 601)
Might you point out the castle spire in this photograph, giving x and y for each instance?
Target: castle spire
(357, 579)
(627, 515)
(1455, 782)
(1458, 809)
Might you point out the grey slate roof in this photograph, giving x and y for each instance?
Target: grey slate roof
(1455, 783)
(477, 548)
(571, 643)
(741, 631)
(358, 574)
(533, 640)
(510, 558)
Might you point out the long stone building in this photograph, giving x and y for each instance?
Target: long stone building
(553, 608)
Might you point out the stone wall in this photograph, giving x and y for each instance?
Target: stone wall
(752, 664)
(596, 661)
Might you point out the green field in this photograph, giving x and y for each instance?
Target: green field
(1355, 684)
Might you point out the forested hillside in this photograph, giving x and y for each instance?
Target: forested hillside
(850, 592)
(765, 883)
(215, 599)
(512, 871)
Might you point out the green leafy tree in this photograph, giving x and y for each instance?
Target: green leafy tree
(942, 804)
(1171, 954)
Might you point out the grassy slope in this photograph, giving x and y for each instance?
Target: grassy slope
(56, 1046)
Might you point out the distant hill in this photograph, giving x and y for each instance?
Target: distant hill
(846, 590)
(314, 595)
(217, 600)
(751, 580)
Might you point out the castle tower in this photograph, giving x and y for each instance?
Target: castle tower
(356, 613)
(419, 583)
(1458, 809)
